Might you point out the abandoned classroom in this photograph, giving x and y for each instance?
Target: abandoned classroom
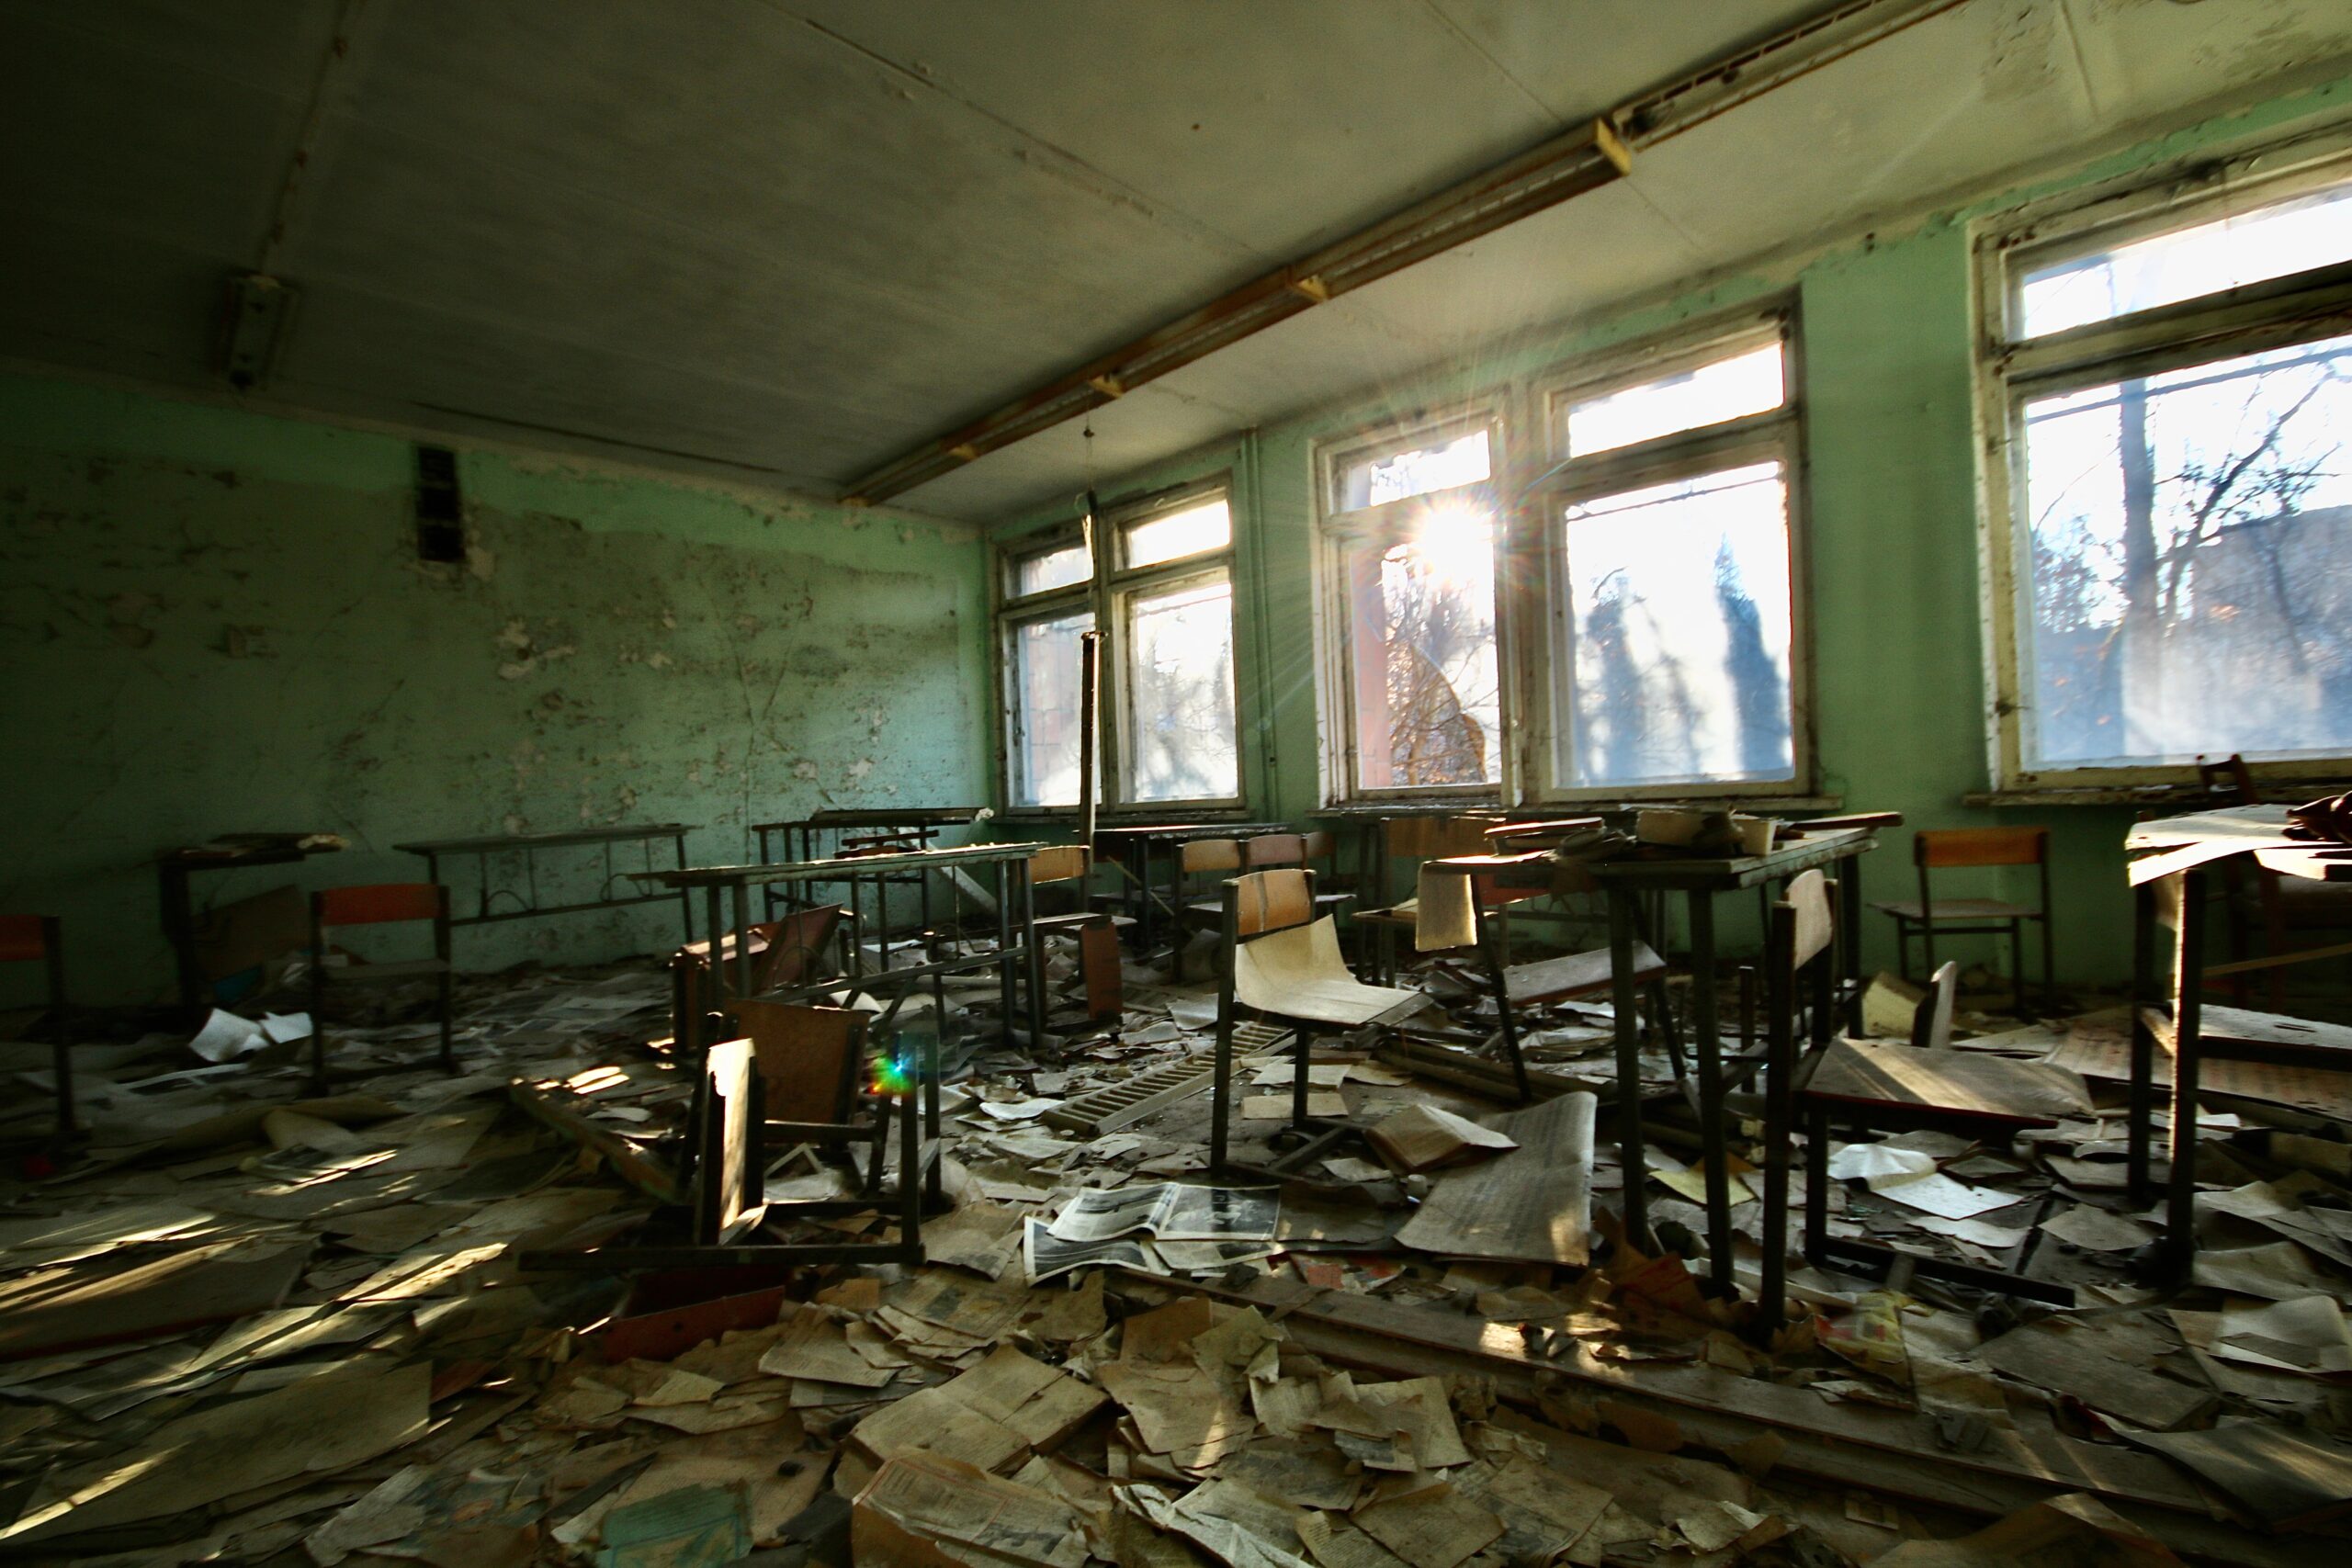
(1314, 783)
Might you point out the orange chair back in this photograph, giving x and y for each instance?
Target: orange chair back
(1209, 854)
(380, 903)
(24, 939)
(1272, 900)
(1059, 863)
(1980, 846)
(1275, 849)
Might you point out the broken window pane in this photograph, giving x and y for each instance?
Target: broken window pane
(1427, 698)
(1681, 616)
(1045, 695)
(2275, 240)
(2190, 545)
(1399, 476)
(1747, 381)
(1180, 732)
(1193, 531)
(1048, 569)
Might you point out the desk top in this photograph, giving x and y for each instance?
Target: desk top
(1177, 832)
(1700, 873)
(895, 816)
(2171, 844)
(838, 868)
(545, 840)
(251, 848)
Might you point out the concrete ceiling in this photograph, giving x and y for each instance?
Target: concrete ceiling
(786, 239)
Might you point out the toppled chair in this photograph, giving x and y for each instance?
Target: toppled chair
(1099, 988)
(790, 952)
(1462, 907)
(1278, 959)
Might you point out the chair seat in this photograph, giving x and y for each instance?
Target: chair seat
(1555, 979)
(375, 974)
(1210, 912)
(1968, 1084)
(1960, 909)
(1081, 917)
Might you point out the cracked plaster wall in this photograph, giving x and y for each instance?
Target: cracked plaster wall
(216, 621)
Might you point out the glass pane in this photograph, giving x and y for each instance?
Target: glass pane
(2277, 241)
(1421, 616)
(1208, 526)
(1045, 684)
(1750, 381)
(1049, 570)
(1181, 731)
(1679, 600)
(2190, 545)
(1400, 476)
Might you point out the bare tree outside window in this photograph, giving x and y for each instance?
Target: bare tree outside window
(2191, 562)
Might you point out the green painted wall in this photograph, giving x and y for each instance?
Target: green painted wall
(214, 621)
(1899, 683)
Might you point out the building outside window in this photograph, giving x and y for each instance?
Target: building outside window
(2169, 382)
(1665, 536)
(1158, 579)
(1410, 531)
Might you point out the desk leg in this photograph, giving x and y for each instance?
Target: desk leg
(2141, 1106)
(1706, 1028)
(742, 939)
(180, 930)
(1628, 1069)
(687, 899)
(2189, 968)
(1850, 916)
(1025, 917)
(1142, 874)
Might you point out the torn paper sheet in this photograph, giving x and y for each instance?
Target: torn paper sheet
(1045, 1255)
(225, 1037)
(1532, 1204)
(1422, 1137)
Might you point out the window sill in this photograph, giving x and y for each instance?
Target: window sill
(2175, 796)
(1759, 804)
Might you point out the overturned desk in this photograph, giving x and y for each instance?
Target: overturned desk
(491, 903)
(727, 895)
(1699, 878)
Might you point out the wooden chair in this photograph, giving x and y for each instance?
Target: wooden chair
(802, 946)
(1492, 883)
(1094, 931)
(1800, 1015)
(1279, 960)
(1864, 1087)
(1926, 918)
(383, 903)
(811, 1063)
(1408, 840)
(1210, 860)
(39, 938)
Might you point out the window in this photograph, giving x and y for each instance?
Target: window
(1410, 533)
(2172, 513)
(1669, 568)
(1161, 588)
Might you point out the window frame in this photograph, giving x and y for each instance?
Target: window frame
(1339, 534)
(1540, 528)
(1105, 592)
(2011, 372)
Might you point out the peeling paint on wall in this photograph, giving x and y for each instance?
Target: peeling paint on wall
(716, 663)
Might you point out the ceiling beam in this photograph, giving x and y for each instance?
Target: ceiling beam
(1544, 175)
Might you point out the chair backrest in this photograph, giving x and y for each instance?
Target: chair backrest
(1275, 849)
(1059, 863)
(2227, 781)
(1434, 838)
(1813, 924)
(25, 939)
(1264, 901)
(1931, 1020)
(1496, 880)
(1979, 846)
(1321, 844)
(1209, 854)
(380, 903)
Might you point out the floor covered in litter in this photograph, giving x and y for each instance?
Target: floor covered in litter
(258, 1328)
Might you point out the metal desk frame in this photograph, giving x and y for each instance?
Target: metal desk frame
(1699, 880)
(174, 868)
(1116, 841)
(528, 844)
(822, 837)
